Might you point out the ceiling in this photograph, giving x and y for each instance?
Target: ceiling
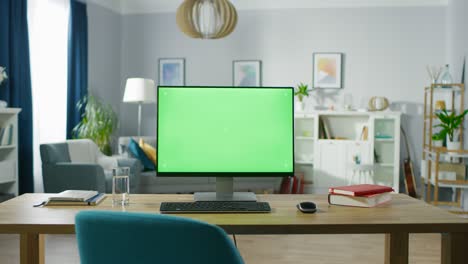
(165, 6)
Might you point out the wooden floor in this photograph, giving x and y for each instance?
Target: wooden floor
(321, 249)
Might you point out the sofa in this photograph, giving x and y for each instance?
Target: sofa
(151, 183)
(80, 165)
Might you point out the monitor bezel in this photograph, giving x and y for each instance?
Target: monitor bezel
(224, 174)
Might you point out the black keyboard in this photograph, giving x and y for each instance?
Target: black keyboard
(214, 207)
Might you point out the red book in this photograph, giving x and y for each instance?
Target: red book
(295, 185)
(360, 190)
(286, 185)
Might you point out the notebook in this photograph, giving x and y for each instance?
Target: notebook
(75, 198)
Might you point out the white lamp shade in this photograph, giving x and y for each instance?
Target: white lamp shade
(139, 90)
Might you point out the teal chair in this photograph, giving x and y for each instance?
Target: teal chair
(138, 238)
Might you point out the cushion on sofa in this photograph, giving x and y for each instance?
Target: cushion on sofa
(149, 150)
(138, 153)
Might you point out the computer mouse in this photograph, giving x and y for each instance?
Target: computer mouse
(307, 207)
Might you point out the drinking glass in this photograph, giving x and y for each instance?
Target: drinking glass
(348, 102)
(120, 186)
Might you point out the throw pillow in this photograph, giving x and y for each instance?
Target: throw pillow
(139, 154)
(148, 149)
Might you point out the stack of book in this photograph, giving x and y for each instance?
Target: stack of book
(294, 184)
(74, 198)
(361, 195)
(6, 135)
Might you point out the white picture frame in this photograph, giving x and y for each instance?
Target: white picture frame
(171, 72)
(247, 73)
(327, 70)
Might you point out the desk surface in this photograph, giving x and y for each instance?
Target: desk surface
(404, 214)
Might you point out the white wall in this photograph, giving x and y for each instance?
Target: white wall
(457, 21)
(104, 55)
(386, 50)
(457, 49)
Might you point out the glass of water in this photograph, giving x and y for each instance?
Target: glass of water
(120, 186)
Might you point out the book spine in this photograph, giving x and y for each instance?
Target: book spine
(10, 136)
(286, 185)
(295, 185)
(2, 132)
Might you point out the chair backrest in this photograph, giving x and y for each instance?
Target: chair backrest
(120, 237)
(54, 153)
(83, 150)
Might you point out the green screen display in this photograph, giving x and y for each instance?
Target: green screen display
(225, 130)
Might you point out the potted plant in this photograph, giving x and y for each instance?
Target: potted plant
(450, 123)
(98, 123)
(438, 139)
(301, 92)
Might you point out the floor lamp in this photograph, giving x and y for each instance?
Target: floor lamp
(139, 91)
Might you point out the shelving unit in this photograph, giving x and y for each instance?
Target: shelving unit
(434, 157)
(327, 142)
(9, 153)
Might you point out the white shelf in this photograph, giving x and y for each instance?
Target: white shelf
(304, 162)
(12, 111)
(9, 153)
(387, 165)
(452, 89)
(384, 140)
(8, 147)
(304, 138)
(343, 141)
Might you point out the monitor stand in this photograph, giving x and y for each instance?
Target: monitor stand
(224, 192)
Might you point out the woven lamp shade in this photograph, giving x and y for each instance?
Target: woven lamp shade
(207, 19)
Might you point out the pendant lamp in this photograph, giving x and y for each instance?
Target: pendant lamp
(207, 19)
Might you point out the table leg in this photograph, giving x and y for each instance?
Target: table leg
(454, 248)
(396, 248)
(32, 249)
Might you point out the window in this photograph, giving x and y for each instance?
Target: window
(48, 42)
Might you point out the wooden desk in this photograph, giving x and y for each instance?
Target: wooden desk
(403, 216)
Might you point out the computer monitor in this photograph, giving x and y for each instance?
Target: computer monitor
(225, 132)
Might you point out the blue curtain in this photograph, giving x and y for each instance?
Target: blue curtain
(14, 55)
(77, 62)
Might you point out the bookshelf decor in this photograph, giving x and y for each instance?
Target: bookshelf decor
(9, 152)
(336, 148)
(440, 166)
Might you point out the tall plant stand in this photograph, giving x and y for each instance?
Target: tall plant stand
(434, 156)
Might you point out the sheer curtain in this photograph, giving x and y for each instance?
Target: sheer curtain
(48, 34)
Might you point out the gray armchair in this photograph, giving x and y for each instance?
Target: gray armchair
(79, 165)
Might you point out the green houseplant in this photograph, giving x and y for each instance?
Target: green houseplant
(98, 123)
(301, 92)
(438, 139)
(450, 123)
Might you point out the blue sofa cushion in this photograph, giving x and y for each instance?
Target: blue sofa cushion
(135, 150)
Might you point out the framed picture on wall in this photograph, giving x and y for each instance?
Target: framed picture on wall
(247, 73)
(172, 72)
(327, 70)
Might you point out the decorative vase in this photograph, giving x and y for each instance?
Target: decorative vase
(437, 143)
(453, 145)
(440, 105)
(446, 78)
(3, 104)
(299, 106)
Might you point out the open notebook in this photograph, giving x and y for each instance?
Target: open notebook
(74, 197)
